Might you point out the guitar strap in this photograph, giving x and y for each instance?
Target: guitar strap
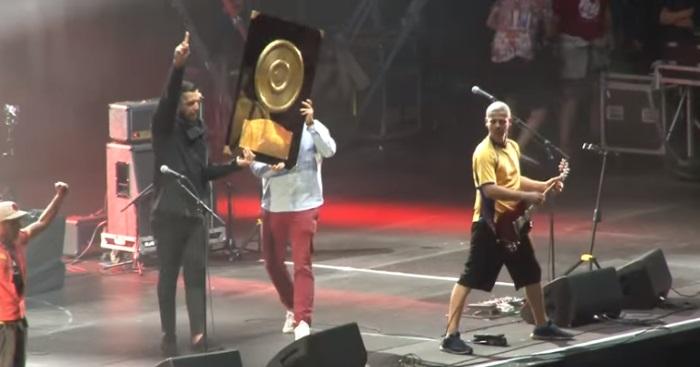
(487, 211)
(488, 206)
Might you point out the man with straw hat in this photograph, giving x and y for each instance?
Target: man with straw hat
(13, 272)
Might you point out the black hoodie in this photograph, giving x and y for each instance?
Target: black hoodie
(182, 146)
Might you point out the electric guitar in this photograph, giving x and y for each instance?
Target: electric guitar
(513, 225)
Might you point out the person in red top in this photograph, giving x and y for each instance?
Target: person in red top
(583, 27)
(13, 272)
(519, 51)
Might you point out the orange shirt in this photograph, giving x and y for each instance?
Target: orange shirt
(12, 305)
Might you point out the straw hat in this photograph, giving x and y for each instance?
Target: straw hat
(9, 211)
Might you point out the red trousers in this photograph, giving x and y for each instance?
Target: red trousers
(296, 229)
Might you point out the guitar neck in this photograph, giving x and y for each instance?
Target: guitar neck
(546, 191)
(563, 174)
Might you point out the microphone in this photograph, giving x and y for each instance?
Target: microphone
(481, 92)
(593, 148)
(167, 171)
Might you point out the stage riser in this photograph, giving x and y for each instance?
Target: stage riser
(224, 358)
(655, 348)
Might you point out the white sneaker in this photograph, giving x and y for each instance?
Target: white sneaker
(288, 326)
(301, 330)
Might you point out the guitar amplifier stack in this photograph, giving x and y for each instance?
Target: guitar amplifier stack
(130, 165)
(130, 122)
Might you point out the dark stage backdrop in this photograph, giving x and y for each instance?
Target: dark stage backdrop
(63, 61)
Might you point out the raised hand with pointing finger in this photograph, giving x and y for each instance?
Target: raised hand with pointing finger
(182, 51)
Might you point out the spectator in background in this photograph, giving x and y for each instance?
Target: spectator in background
(630, 21)
(522, 28)
(584, 43)
(673, 37)
(652, 30)
(678, 18)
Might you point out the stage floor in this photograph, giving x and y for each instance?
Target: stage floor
(387, 255)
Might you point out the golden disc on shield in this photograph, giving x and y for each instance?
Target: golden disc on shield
(279, 75)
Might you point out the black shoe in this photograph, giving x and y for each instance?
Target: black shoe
(168, 346)
(549, 331)
(455, 345)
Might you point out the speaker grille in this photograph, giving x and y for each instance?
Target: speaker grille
(645, 280)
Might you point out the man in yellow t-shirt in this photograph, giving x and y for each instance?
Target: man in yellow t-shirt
(499, 188)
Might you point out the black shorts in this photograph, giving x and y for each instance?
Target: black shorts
(487, 257)
(13, 339)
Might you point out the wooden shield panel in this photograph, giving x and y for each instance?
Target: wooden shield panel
(276, 74)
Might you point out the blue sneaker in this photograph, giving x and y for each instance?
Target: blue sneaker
(549, 331)
(455, 345)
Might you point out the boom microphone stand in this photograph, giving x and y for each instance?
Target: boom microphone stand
(136, 262)
(233, 252)
(550, 149)
(237, 250)
(597, 217)
(205, 210)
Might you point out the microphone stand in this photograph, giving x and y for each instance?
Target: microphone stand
(597, 217)
(206, 210)
(138, 197)
(550, 149)
(233, 252)
(136, 262)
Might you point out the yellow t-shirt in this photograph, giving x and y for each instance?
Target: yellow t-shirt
(492, 164)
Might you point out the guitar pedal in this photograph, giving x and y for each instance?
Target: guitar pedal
(498, 340)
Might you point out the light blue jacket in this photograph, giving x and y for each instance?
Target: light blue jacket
(299, 188)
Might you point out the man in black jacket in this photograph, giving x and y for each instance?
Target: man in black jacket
(179, 228)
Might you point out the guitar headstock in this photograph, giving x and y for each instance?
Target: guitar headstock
(564, 169)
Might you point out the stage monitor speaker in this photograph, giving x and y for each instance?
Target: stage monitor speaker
(575, 299)
(645, 281)
(79, 231)
(340, 346)
(224, 358)
(45, 268)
